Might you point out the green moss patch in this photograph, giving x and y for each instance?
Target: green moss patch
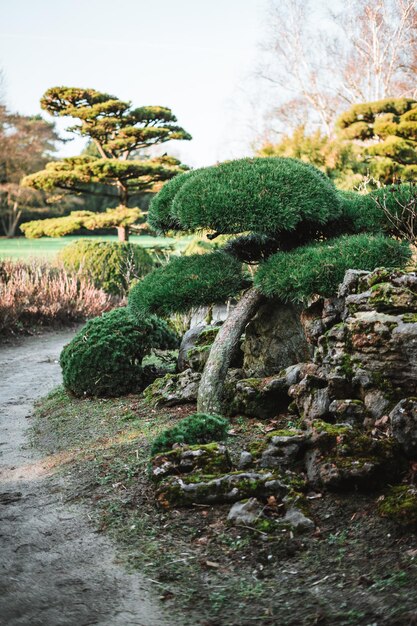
(400, 504)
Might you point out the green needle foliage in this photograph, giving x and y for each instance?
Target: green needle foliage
(196, 428)
(387, 131)
(104, 358)
(160, 210)
(262, 195)
(319, 268)
(188, 282)
(110, 265)
(119, 132)
(287, 212)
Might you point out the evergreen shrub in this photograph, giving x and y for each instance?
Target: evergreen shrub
(105, 357)
(160, 210)
(196, 428)
(110, 265)
(188, 282)
(297, 275)
(264, 195)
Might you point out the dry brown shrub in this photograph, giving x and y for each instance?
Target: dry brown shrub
(36, 293)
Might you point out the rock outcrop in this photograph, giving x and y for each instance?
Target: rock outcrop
(351, 424)
(274, 340)
(365, 349)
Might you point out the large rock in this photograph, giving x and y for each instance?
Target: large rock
(343, 458)
(185, 491)
(173, 389)
(261, 397)
(274, 339)
(366, 360)
(196, 345)
(187, 343)
(211, 458)
(403, 419)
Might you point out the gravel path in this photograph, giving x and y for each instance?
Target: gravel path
(54, 569)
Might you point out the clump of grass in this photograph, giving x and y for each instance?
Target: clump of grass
(36, 293)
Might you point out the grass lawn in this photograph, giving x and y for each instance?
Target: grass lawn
(48, 247)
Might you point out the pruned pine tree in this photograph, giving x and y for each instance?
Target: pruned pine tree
(120, 133)
(286, 219)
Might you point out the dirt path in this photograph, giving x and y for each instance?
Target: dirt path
(54, 569)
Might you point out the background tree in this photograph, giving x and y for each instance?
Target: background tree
(292, 218)
(386, 133)
(338, 158)
(26, 144)
(364, 52)
(376, 140)
(118, 131)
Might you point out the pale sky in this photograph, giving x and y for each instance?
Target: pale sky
(194, 56)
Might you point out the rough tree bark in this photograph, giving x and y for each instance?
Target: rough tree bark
(210, 392)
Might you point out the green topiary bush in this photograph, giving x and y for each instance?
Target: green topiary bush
(110, 265)
(160, 216)
(188, 282)
(196, 428)
(105, 357)
(265, 195)
(319, 268)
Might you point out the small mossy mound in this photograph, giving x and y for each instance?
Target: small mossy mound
(319, 268)
(110, 265)
(188, 282)
(400, 504)
(196, 428)
(210, 458)
(105, 357)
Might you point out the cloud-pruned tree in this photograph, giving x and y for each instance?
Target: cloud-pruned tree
(120, 134)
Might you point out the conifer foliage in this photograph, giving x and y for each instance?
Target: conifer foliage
(119, 132)
(289, 219)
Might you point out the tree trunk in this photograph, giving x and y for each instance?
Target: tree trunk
(123, 233)
(212, 381)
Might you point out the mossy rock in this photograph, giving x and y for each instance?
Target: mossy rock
(354, 460)
(400, 504)
(173, 389)
(231, 487)
(207, 336)
(256, 397)
(211, 458)
(388, 298)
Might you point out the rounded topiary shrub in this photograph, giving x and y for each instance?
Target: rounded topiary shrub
(160, 215)
(187, 282)
(319, 268)
(110, 265)
(265, 195)
(105, 357)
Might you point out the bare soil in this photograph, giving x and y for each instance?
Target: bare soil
(55, 570)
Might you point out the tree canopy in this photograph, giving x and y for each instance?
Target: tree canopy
(27, 143)
(120, 133)
(287, 216)
(386, 131)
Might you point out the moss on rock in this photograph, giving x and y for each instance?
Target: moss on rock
(400, 504)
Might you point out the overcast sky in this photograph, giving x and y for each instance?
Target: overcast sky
(194, 56)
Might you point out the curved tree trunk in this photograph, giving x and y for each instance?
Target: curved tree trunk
(212, 381)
